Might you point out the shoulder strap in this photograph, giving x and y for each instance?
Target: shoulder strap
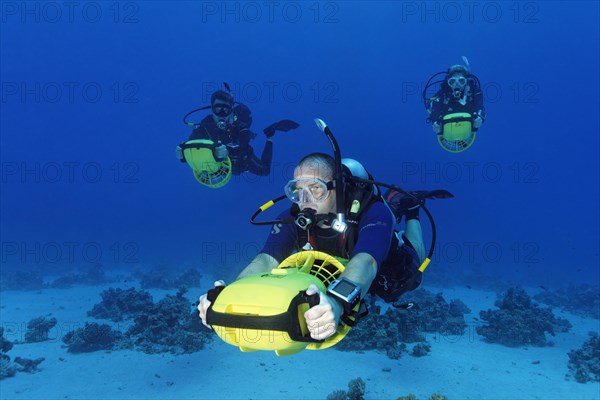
(351, 236)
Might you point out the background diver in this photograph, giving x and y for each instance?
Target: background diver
(459, 92)
(382, 261)
(228, 126)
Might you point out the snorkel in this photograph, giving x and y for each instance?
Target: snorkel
(466, 62)
(339, 224)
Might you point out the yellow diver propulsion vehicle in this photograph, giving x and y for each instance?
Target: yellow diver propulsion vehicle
(457, 132)
(198, 154)
(266, 312)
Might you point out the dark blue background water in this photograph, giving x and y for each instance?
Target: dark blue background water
(93, 96)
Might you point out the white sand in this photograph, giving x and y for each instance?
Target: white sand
(460, 367)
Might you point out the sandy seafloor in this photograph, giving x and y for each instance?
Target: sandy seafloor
(462, 367)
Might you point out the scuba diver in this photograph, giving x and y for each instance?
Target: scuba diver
(456, 108)
(227, 130)
(339, 210)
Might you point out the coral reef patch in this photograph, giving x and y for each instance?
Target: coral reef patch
(518, 321)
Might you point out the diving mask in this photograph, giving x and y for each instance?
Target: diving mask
(457, 82)
(307, 190)
(221, 110)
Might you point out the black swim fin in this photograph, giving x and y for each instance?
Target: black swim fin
(394, 196)
(284, 125)
(433, 194)
(400, 203)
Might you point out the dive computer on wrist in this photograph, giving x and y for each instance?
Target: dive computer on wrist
(346, 292)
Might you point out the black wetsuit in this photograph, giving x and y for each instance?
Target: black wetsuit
(445, 103)
(237, 139)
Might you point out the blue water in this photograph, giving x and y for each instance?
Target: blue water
(93, 97)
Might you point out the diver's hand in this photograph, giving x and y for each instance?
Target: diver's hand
(203, 304)
(437, 128)
(221, 152)
(269, 131)
(322, 319)
(477, 122)
(179, 154)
